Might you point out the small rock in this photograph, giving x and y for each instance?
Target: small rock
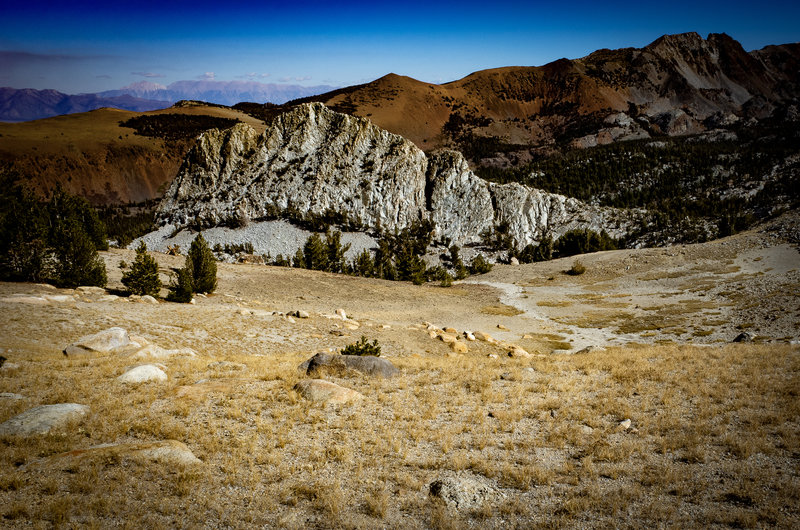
(464, 493)
(34, 300)
(492, 356)
(321, 391)
(507, 376)
(192, 301)
(352, 325)
(585, 429)
(143, 374)
(59, 298)
(151, 351)
(338, 333)
(11, 395)
(459, 347)
(108, 298)
(300, 314)
(447, 339)
(591, 349)
(515, 351)
(341, 314)
(43, 419)
(289, 319)
(502, 327)
(485, 337)
(168, 452)
(147, 299)
(514, 261)
(625, 424)
(102, 342)
(469, 336)
(453, 331)
(743, 337)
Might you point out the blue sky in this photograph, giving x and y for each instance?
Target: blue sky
(92, 46)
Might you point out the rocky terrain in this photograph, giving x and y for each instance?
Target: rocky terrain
(525, 397)
(313, 160)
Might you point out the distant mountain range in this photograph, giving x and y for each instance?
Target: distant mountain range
(28, 104)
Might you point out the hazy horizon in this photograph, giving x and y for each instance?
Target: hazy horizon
(87, 47)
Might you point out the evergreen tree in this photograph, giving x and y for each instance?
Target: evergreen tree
(299, 260)
(336, 261)
(142, 278)
(315, 253)
(24, 255)
(76, 259)
(203, 266)
(364, 264)
(182, 288)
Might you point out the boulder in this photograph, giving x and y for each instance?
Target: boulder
(450, 330)
(299, 314)
(147, 299)
(514, 350)
(469, 336)
(485, 337)
(321, 391)
(464, 492)
(144, 374)
(447, 339)
(102, 342)
(336, 364)
(43, 419)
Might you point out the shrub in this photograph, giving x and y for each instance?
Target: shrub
(182, 288)
(479, 265)
(203, 266)
(577, 269)
(364, 264)
(362, 347)
(582, 242)
(142, 278)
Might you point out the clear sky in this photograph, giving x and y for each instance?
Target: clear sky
(77, 46)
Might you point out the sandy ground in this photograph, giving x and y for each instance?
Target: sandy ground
(714, 428)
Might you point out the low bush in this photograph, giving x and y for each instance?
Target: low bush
(362, 347)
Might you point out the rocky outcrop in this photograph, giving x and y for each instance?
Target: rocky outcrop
(313, 160)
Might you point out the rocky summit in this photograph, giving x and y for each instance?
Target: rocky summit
(314, 161)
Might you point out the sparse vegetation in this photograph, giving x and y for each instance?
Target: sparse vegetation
(363, 347)
(176, 126)
(577, 269)
(49, 241)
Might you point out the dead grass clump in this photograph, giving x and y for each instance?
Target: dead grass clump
(501, 310)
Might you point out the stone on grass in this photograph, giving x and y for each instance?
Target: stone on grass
(226, 366)
(321, 391)
(591, 349)
(335, 364)
(143, 374)
(168, 452)
(515, 350)
(11, 395)
(104, 341)
(464, 492)
(459, 347)
(152, 351)
(743, 337)
(43, 419)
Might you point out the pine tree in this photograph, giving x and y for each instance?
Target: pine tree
(76, 259)
(142, 278)
(315, 253)
(182, 288)
(335, 259)
(203, 266)
(364, 265)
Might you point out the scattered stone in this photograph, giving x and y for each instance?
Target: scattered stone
(464, 492)
(502, 327)
(90, 289)
(338, 333)
(514, 350)
(514, 261)
(625, 424)
(11, 395)
(336, 364)
(226, 366)
(138, 339)
(590, 349)
(151, 351)
(485, 337)
(341, 314)
(492, 356)
(527, 336)
(108, 298)
(447, 339)
(459, 347)
(585, 429)
(300, 314)
(144, 374)
(43, 419)
(244, 312)
(352, 325)
(469, 336)
(289, 319)
(199, 390)
(35, 300)
(432, 334)
(321, 391)
(386, 326)
(453, 331)
(59, 298)
(147, 299)
(102, 342)
(168, 452)
(743, 337)
(507, 376)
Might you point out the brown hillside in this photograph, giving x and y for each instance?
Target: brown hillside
(92, 155)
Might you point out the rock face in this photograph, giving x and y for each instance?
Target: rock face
(313, 160)
(43, 419)
(323, 363)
